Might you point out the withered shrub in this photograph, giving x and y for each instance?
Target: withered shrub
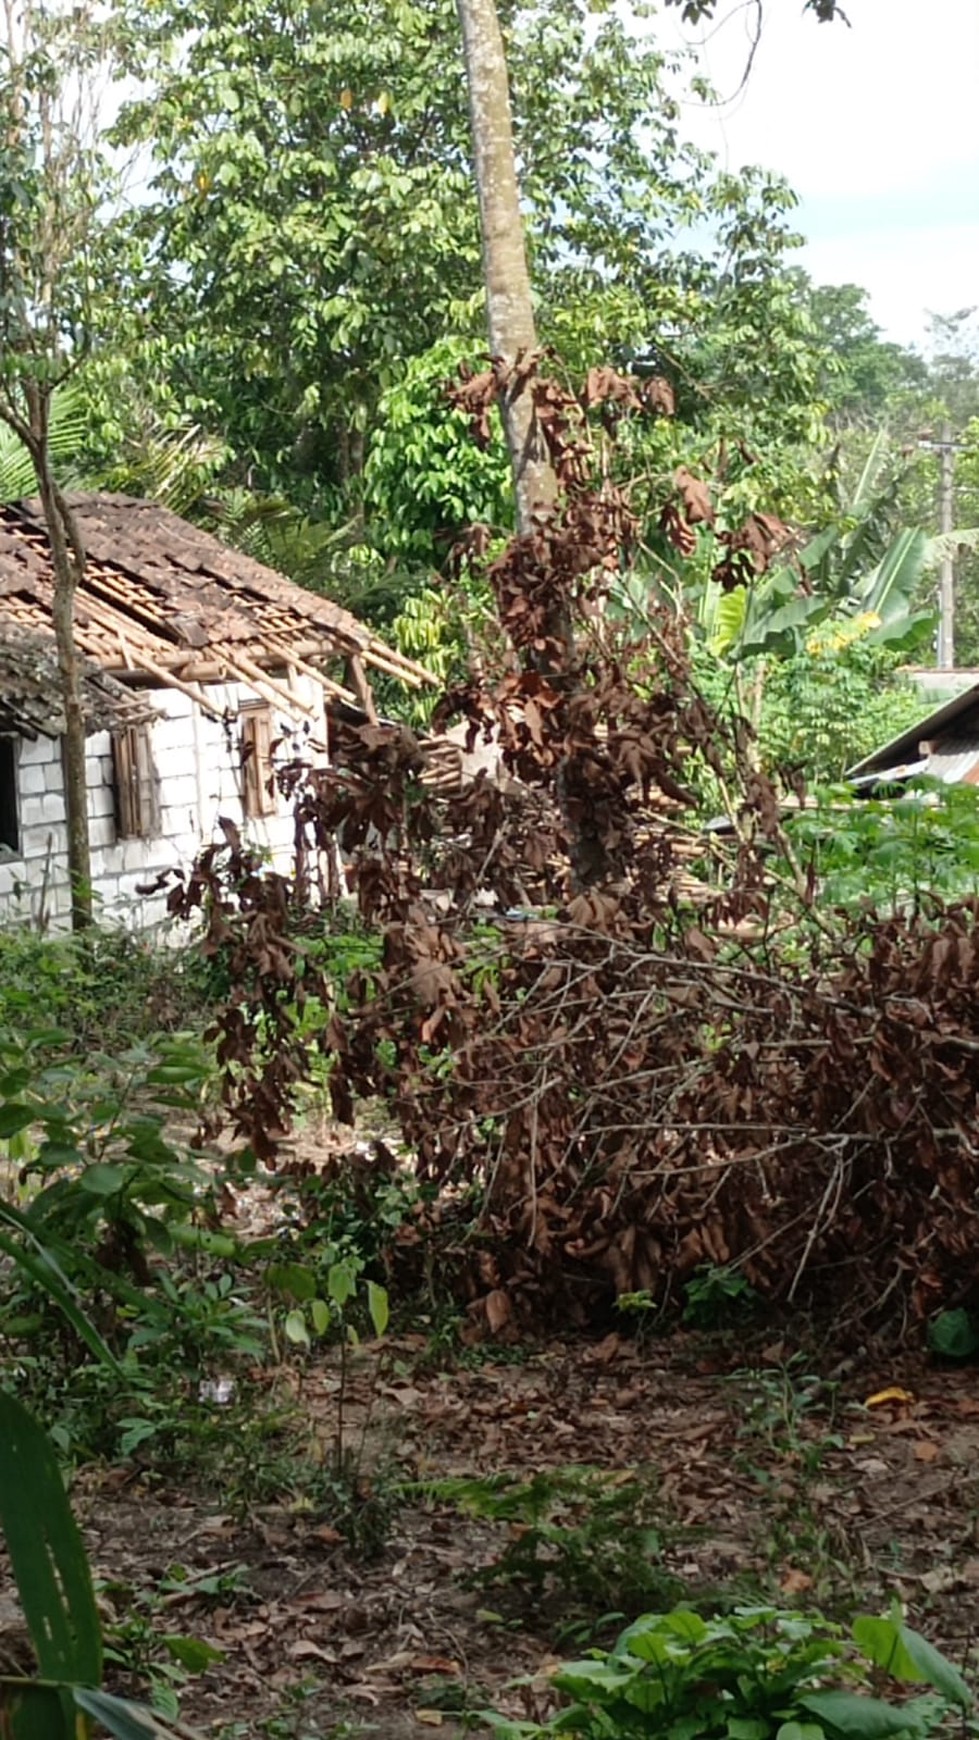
(641, 1078)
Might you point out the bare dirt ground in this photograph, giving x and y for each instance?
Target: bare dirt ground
(764, 1483)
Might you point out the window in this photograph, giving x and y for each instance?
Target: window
(258, 792)
(137, 784)
(9, 825)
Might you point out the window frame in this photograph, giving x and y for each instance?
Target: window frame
(136, 784)
(259, 798)
(10, 797)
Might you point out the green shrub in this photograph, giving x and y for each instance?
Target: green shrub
(103, 987)
(756, 1674)
(575, 1538)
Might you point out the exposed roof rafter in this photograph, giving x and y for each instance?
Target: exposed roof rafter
(160, 596)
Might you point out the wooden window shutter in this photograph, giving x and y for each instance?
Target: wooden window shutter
(256, 761)
(136, 784)
(147, 785)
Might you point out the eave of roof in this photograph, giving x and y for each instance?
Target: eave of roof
(30, 691)
(904, 747)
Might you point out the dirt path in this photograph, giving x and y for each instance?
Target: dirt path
(765, 1481)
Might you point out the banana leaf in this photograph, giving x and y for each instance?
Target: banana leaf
(32, 1710)
(127, 1721)
(47, 1554)
(888, 589)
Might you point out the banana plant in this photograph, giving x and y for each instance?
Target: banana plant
(50, 1566)
(778, 614)
(855, 569)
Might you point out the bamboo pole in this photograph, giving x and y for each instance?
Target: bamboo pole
(239, 664)
(362, 687)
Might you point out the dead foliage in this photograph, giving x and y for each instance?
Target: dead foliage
(639, 1091)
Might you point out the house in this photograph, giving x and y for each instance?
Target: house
(201, 666)
(943, 746)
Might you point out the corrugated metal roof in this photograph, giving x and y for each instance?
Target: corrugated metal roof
(908, 746)
(954, 761)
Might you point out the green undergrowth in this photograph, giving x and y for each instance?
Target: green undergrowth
(757, 1673)
(104, 987)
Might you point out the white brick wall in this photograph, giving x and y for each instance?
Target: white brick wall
(197, 761)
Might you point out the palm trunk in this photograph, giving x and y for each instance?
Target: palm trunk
(512, 332)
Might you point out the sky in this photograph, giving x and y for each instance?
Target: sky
(876, 127)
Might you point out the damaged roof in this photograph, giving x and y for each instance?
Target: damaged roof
(30, 691)
(164, 603)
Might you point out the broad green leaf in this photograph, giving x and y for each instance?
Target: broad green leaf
(319, 1311)
(378, 1306)
(950, 544)
(906, 1655)
(579, 1678)
(800, 1731)
(14, 1117)
(192, 1652)
(953, 1334)
(933, 1669)
(30, 1710)
(102, 1180)
(887, 590)
(201, 1238)
(293, 1279)
(47, 1555)
(683, 1623)
(296, 1331)
(857, 1718)
(126, 1721)
(341, 1282)
(880, 1640)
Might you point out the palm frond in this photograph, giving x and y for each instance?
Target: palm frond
(67, 430)
(173, 465)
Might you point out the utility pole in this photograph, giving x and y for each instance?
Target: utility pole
(946, 448)
(946, 584)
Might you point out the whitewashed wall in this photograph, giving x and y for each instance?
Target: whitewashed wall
(198, 763)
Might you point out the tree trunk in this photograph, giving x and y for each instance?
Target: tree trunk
(510, 316)
(509, 305)
(68, 562)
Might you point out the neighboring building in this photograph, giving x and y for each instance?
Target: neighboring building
(943, 746)
(200, 665)
(936, 685)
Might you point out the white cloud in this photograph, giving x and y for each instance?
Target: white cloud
(909, 273)
(882, 112)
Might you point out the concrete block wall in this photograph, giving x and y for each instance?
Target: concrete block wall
(198, 764)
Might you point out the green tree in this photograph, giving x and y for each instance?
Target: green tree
(311, 215)
(314, 226)
(52, 272)
(863, 373)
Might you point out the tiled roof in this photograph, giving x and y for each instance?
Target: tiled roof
(30, 698)
(164, 602)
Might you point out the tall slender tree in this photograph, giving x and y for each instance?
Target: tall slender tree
(49, 199)
(509, 300)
